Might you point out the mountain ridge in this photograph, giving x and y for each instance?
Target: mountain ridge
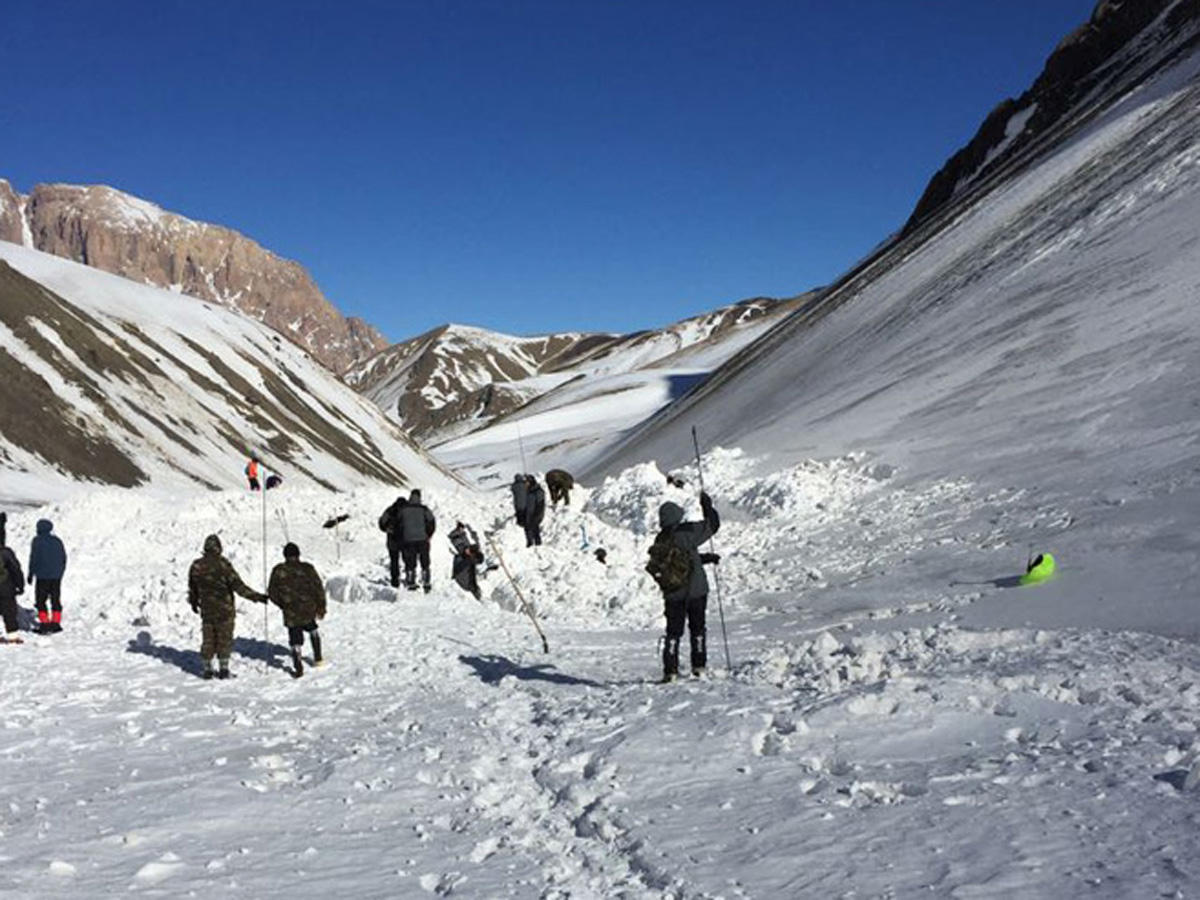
(116, 232)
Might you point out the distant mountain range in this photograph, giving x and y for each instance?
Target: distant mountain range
(456, 379)
(118, 233)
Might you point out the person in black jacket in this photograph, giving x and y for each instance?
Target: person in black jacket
(690, 601)
(389, 522)
(47, 563)
(520, 493)
(467, 557)
(535, 511)
(12, 584)
(560, 483)
(416, 528)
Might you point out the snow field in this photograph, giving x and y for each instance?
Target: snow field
(865, 743)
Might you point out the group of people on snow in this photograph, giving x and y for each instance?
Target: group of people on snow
(676, 563)
(47, 565)
(294, 586)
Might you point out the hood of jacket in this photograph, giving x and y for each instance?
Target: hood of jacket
(669, 515)
(212, 545)
(44, 526)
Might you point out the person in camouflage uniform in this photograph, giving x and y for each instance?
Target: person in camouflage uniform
(298, 590)
(212, 582)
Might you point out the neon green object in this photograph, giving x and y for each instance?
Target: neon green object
(1042, 568)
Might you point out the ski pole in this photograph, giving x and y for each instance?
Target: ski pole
(520, 596)
(521, 446)
(713, 548)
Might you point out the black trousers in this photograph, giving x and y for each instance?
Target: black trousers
(8, 609)
(693, 612)
(533, 534)
(414, 551)
(48, 589)
(394, 563)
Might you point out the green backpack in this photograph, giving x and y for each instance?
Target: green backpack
(670, 565)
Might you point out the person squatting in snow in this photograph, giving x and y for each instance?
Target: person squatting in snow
(297, 589)
(12, 584)
(467, 557)
(559, 483)
(535, 511)
(47, 563)
(677, 566)
(212, 582)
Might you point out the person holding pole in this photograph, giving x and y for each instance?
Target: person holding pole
(677, 566)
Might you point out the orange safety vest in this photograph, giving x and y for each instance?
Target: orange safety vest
(252, 469)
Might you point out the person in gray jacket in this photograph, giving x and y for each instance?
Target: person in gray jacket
(47, 563)
(689, 600)
(417, 526)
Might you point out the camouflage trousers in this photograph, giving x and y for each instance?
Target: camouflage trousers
(217, 639)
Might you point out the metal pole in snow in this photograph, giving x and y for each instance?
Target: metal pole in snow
(713, 548)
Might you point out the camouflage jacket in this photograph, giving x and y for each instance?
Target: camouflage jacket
(212, 582)
(297, 589)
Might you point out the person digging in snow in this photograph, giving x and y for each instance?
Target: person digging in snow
(535, 511)
(212, 582)
(417, 526)
(467, 557)
(47, 563)
(389, 522)
(12, 585)
(560, 484)
(520, 493)
(297, 589)
(677, 566)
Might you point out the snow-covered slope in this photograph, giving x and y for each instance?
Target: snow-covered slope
(457, 379)
(112, 382)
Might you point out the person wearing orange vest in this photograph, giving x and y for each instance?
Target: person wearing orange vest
(252, 472)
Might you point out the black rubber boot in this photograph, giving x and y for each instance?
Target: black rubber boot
(297, 663)
(316, 645)
(671, 659)
(699, 653)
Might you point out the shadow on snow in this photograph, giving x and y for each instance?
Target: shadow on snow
(491, 669)
(191, 662)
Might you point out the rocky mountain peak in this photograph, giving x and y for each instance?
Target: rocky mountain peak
(108, 229)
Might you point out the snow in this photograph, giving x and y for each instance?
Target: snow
(899, 719)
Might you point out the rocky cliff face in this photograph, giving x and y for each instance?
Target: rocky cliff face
(1123, 42)
(109, 230)
(456, 378)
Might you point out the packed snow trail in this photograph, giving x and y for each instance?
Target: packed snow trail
(866, 743)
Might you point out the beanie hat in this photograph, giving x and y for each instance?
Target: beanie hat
(291, 551)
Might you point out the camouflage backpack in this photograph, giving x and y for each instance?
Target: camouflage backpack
(670, 565)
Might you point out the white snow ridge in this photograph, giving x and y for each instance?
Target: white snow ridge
(898, 719)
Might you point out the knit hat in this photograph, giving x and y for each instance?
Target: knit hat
(291, 551)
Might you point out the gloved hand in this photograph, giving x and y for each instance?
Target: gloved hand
(707, 558)
(195, 608)
(29, 580)
(705, 500)
(262, 598)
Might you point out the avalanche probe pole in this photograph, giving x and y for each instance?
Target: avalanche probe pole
(713, 547)
(521, 445)
(520, 596)
(266, 606)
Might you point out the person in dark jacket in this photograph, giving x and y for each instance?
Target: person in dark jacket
(12, 585)
(212, 582)
(297, 589)
(3, 529)
(467, 557)
(690, 601)
(47, 563)
(560, 484)
(390, 523)
(417, 526)
(520, 493)
(535, 511)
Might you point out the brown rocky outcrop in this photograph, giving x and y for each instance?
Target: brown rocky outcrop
(109, 230)
(11, 223)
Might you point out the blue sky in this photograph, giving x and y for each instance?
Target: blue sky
(525, 165)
